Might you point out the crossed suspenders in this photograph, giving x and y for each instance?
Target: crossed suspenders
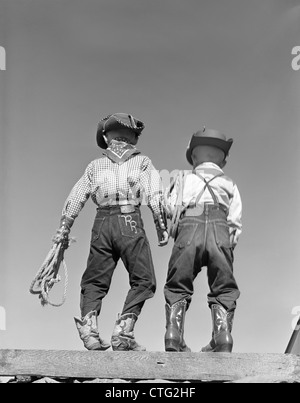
(207, 186)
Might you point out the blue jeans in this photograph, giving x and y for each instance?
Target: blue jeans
(203, 241)
(118, 236)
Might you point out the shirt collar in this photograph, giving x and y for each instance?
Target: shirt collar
(208, 165)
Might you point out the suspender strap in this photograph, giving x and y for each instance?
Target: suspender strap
(180, 208)
(207, 186)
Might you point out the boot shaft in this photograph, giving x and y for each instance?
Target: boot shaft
(222, 327)
(123, 334)
(175, 314)
(175, 317)
(125, 324)
(222, 319)
(87, 325)
(88, 331)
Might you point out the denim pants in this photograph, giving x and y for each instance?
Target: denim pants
(203, 241)
(116, 235)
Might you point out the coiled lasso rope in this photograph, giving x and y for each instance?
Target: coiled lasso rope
(48, 275)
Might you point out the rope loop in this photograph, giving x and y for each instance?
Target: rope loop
(48, 275)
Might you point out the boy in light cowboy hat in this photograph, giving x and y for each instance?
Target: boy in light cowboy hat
(207, 208)
(117, 183)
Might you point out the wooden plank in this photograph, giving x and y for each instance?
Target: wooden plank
(147, 365)
(267, 379)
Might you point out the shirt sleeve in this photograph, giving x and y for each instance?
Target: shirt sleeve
(235, 217)
(152, 187)
(79, 194)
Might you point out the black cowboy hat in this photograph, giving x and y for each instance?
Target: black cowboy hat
(115, 122)
(208, 137)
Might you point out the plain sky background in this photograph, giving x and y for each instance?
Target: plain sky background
(177, 65)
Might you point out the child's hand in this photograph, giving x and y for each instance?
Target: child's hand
(62, 235)
(164, 240)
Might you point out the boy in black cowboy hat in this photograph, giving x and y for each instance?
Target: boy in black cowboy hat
(206, 209)
(117, 183)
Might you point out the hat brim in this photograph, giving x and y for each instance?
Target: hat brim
(100, 139)
(224, 145)
(112, 126)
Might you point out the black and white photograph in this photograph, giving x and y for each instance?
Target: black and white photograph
(150, 193)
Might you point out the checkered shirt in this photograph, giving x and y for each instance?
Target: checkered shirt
(135, 181)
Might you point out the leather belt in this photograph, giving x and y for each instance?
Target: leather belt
(199, 209)
(123, 208)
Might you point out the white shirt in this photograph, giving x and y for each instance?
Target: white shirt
(224, 188)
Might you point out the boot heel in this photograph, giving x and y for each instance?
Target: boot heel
(171, 346)
(224, 343)
(222, 327)
(223, 348)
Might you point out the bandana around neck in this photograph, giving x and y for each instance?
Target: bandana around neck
(119, 151)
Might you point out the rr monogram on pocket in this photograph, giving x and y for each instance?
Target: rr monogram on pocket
(129, 221)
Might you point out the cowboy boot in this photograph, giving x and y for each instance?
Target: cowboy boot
(175, 316)
(88, 331)
(123, 335)
(222, 327)
(210, 347)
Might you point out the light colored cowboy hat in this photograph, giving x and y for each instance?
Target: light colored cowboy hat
(208, 137)
(115, 122)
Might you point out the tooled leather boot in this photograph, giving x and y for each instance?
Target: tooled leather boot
(88, 331)
(175, 316)
(123, 335)
(222, 340)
